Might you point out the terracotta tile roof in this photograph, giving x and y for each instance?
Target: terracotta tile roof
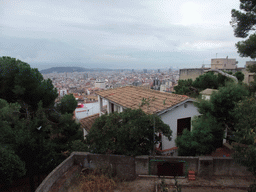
(87, 122)
(208, 91)
(132, 97)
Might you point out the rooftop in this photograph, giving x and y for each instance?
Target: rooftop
(87, 122)
(150, 101)
(208, 91)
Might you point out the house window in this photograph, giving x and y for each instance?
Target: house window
(182, 124)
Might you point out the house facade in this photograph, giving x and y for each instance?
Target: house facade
(175, 110)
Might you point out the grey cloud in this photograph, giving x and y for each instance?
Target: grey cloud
(116, 32)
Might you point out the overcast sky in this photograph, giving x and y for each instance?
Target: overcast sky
(118, 33)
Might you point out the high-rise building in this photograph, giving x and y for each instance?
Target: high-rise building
(85, 75)
(145, 70)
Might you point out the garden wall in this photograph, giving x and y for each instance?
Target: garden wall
(128, 168)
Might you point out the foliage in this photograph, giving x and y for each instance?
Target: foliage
(239, 75)
(251, 68)
(184, 87)
(20, 83)
(11, 166)
(207, 80)
(205, 137)
(243, 23)
(177, 186)
(222, 103)
(164, 187)
(245, 134)
(67, 104)
(27, 141)
(252, 85)
(127, 133)
(79, 145)
(218, 113)
(33, 131)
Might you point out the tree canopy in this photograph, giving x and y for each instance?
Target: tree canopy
(207, 80)
(218, 114)
(67, 104)
(21, 83)
(243, 22)
(127, 133)
(245, 134)
(34, 133)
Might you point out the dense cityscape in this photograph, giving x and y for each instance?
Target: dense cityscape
(127, 96)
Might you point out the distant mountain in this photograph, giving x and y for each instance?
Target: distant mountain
(70, 70)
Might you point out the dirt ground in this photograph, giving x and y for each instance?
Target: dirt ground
(148, 184)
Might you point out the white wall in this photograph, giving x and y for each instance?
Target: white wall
(206, 97)
(171, 117)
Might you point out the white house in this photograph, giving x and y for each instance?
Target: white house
(63, 92)
(100, 84)
(175, 110)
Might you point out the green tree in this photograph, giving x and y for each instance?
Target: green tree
(21, 83)
(127, 133)
(67, 104)
(252, 85)
(35, 132)
(243, 22)
(207, 80)
(27, 142)
(11, 166)
(245, 134)
(218, 114)
(207, 135)
(239, 75)
(222, 103)
(184, 87)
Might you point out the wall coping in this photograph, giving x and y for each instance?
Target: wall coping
(50, 180)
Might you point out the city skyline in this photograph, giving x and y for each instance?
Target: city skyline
(118, 34)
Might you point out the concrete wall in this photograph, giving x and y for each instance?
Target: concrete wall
(144, 163)
(227, 166)
(193, 73)
(225, 63)
(141, 165)
(56, 174)
(190, 73)
(126, 167)
(203, 166)
(183, 111)
(122, 166)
